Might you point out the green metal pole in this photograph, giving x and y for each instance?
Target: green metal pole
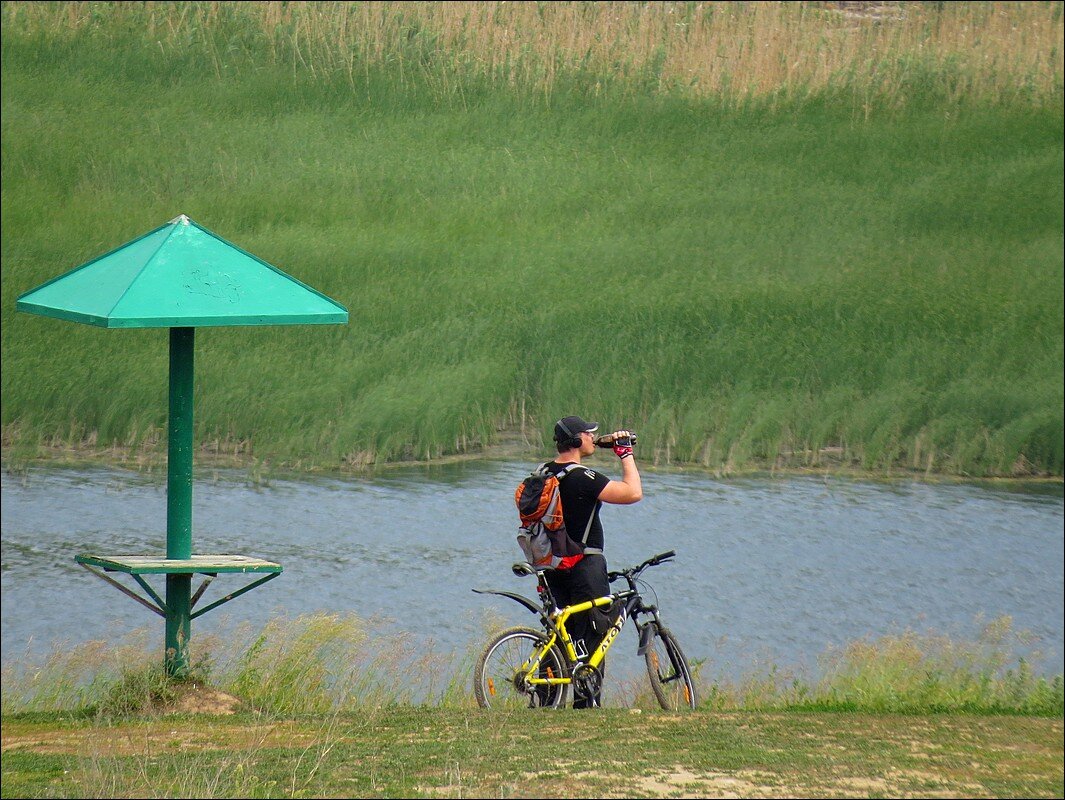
(179, 500)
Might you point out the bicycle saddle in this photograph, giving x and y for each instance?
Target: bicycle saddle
(523, 568)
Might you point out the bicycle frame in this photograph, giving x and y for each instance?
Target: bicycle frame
(555, 627)
(549, 658)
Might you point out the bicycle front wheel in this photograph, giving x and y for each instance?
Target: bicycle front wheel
(501, 679)
(671, 678)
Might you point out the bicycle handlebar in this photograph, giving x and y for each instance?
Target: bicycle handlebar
(653, 561)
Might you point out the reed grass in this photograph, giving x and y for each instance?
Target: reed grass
(117, 678)
(530, 210)
(908, 672)
(730, 51)
(324, 665)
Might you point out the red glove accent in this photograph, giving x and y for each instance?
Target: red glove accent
(622, 450)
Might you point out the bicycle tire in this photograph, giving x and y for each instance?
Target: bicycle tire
(668, 669)
(495, 683)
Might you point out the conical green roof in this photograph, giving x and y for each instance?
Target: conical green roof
(180, 275)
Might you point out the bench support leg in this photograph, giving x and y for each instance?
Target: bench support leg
(178, 624)
(179, 500)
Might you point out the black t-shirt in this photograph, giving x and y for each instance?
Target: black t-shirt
(580, 491)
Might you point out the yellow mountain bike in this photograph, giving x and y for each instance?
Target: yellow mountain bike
(529, 668)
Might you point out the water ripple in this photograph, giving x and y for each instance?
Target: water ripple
(775, 569)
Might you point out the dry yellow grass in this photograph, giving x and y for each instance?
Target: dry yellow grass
(735, 50)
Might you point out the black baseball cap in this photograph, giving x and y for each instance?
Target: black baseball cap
(572, 427)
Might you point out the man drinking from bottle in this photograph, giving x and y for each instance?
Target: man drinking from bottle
(583, 492)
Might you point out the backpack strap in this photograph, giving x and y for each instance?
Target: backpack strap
(588, 529)
(566, 470)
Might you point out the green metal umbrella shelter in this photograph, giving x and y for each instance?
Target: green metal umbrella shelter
(180, 276)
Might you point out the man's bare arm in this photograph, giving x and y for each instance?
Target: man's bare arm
(629, 489)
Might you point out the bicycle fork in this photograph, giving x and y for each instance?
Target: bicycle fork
(647, 629)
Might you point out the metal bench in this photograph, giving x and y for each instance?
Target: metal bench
(210, 566)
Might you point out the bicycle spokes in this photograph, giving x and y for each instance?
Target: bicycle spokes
(520, 668)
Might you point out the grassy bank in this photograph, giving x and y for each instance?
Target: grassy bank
(420, 752)
(776, 261)
(328, 706)
(319, 663)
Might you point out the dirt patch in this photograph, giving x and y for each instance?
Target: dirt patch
(195, 699)
(680, 781)
(157, 737)
(676, 781)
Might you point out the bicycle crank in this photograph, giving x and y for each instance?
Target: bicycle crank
(587, 681)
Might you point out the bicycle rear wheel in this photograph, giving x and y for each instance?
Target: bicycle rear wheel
(671, 678)
(498, 678)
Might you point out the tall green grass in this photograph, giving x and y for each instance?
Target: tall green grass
(328, 664)
(865, 270)
(908, 673)
(316, 664)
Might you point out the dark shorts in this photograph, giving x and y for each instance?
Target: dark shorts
(587, 580)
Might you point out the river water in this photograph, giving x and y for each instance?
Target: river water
(772, 571)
